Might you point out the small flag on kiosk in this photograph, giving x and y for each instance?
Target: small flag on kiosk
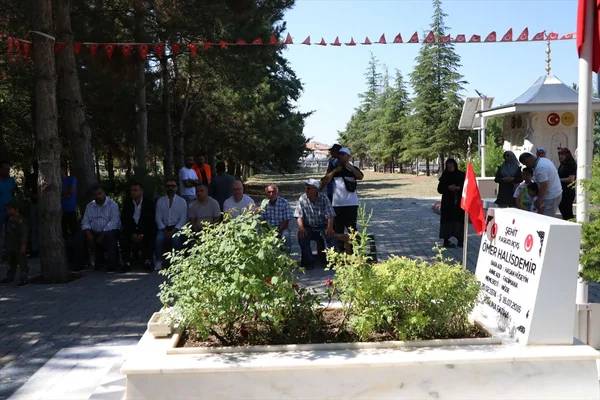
(471, 201)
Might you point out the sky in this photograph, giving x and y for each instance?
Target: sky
(334, 76)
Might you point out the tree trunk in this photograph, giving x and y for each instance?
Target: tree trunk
(52, 250)
(109, 165)
(427, 167)
(74, 121)
(141, 111)
(169, 166)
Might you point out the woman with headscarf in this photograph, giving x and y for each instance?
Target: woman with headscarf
(508, 177)
(451, 216)
(567, 172)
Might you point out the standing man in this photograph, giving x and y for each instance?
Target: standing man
(100, 224)
(69, 204)
(331, 165)
(188, 180)
(276, 211)
(546, 176)
(203, 170)
(16, 245)
(315, 216)
(238, 202)
(171, 216)
(139, 228)
(204, 209)
(8, 186)
(345, 198)
(220, 188)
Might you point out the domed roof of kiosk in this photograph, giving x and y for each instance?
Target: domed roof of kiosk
(548, 93)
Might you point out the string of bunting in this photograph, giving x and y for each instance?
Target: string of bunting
(17, 46)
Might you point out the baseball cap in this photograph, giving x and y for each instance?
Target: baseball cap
(540, 150)
(335, 147)
(345, 150)
(313, 182)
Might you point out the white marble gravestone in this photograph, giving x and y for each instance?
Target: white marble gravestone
(527, 269)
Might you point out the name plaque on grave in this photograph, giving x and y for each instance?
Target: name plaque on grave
(527, 270)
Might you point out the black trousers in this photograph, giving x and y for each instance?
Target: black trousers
(566, 204)
(132, 250)
(345, 218)
(69, 224)
(104, 248)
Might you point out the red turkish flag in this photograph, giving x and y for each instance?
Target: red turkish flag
(288, 39)
(398, 38)
(76, 47)
(109, 49)
(351, 42)
(382, 40)
(507, 36)
(257, 41)
(460, 38)
(241, 42)
(175, 48)
(205, 45)
(59, 47)
(429, 38)
(552, 36)
(25, 49)
(367, 40)
(159, 49)
(491, 37)
(322, 42)
(93, 48)
(581, 11)
(307, 40)
(126, 49)
(336, 42)
(471, 201)
(142, 51)
(223, 44)
(475, 39)
(524, 36)
(273, 40)
(414, 38)
(539, 36)
(568, 36)
(446, 39)
(193, 49)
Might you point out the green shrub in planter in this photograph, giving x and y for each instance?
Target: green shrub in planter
(590, 240)
(234, 282)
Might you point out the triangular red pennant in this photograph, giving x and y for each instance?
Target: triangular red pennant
(175, 48)
(206, 45)
(10, 44)
(460, 38)
(491, 37)
(567, 36)
(307, 40)
(539, 36)
(508, 36)
(322, 42)
(193, 49)
(475, 39)
(223, 44)
(553, 36)
(109, 50)
(59, 47)
(25, 49)
(446, 39)
(76, 47)
(524, 36)
(142, 51)
(93, 48)
(159, 49)
(429, 38)
(367, 41)
(241, 42)
(273, 40)
(351, 42)
(288, 39)
(382, 39)
(398, 38)
(257, 42)
(126, 49)
(414, 38)
(336, 42)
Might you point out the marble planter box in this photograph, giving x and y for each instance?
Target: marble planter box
(446, 369)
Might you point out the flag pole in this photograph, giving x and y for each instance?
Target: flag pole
(466, 221)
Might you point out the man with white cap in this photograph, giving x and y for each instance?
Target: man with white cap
(315, 215)
(345, 198)
(546, 176)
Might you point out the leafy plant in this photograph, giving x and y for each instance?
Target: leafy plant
(234, 282)
(590, 243)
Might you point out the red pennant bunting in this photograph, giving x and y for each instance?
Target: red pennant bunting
(17, 45)
(382, 39)
(351, 42)
(491, 37)
(76, 47)
(59, 47)
(367, 41)
(223, 44)
(159, 49)
(398, 38)
(10, 44)
(306, 41)
(93, 49)
(524, 36)
(322, 42)
(567, 36)
(273, 40)
(475, 39)
(109, 50)
(207, 45)
(460, 39)
(336, 42)
(241, 42)
(414, 38)
(142, 50)
(126, 50)
(429, 38)
(508, 36)
(553, 36)
(193, 49)
(288, 39)
(446, 39)
(175, 48)
(539, 36)
(257, 42)
(26, 49)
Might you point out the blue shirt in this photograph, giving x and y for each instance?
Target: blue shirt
(7, 190)
(69, 203)
(276, 213)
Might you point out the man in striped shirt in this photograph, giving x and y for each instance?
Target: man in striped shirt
(101, 224)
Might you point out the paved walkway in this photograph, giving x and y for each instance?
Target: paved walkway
(44, 322)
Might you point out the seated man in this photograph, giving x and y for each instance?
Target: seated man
(239, 201)
(139, 228)
(171, 216)
(204, 209)
(100, 225)
(276, 211)
(315, 221)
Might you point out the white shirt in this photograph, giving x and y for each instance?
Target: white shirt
(545, 171)
(101, 218)
(137, 210)
(342, 197)
(173, 215)
(235, 208)
(186, 173)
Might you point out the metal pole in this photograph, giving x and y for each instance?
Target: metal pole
(466, 221)
(584, 131)
(482, 133)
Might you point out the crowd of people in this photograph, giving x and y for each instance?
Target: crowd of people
(140, 231)
(532, 182)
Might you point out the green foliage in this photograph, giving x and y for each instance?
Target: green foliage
(234, 281)
(402, 298)
(493, 148)
(590, 243)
